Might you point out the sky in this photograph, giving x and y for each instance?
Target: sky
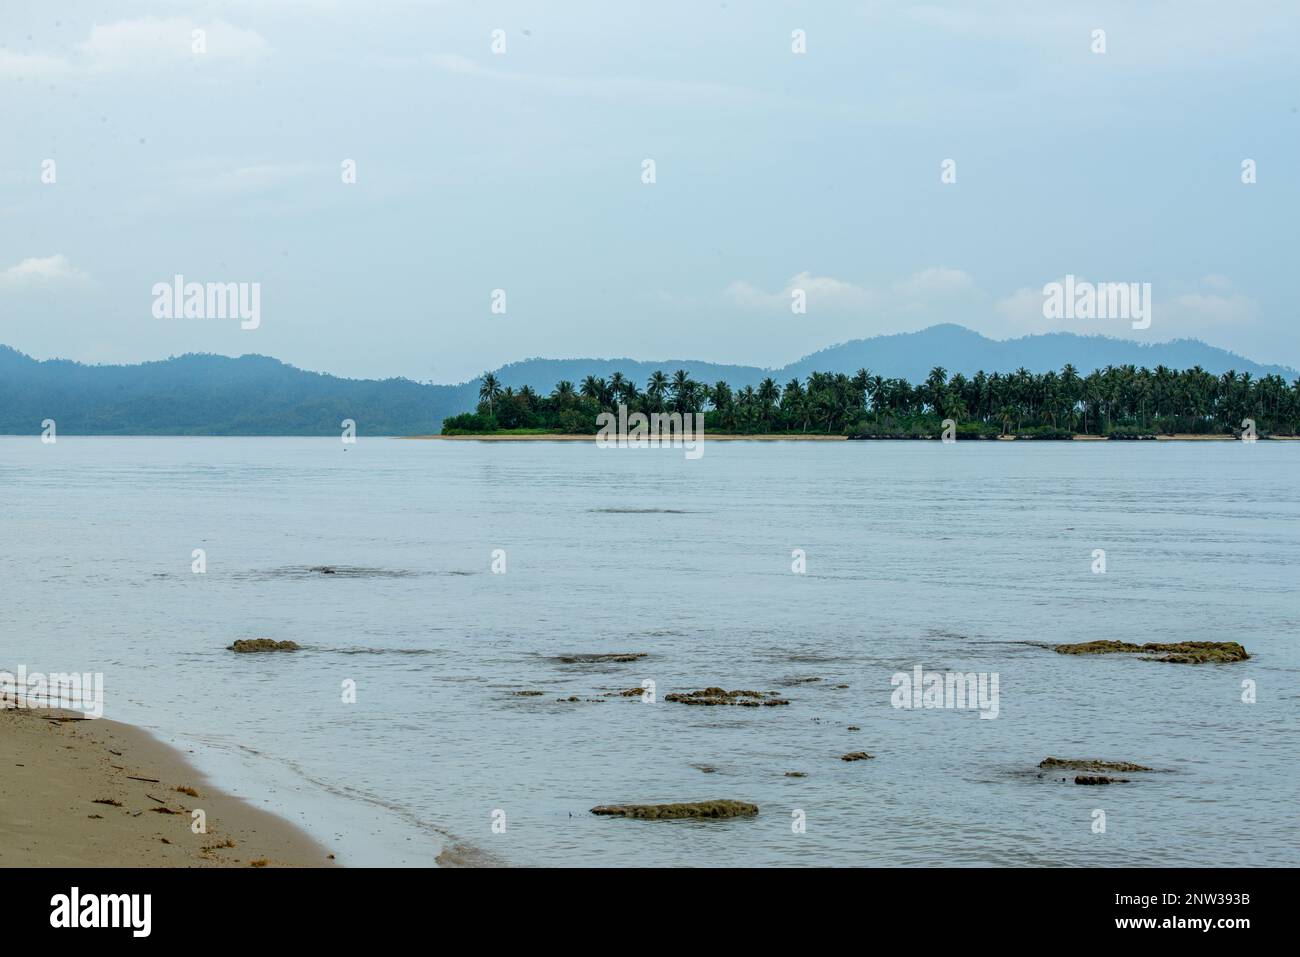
(916, 163)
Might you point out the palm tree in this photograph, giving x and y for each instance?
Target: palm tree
(683, 390)
(768, 396)
(489, 390)
(564, 394)
(656, 386)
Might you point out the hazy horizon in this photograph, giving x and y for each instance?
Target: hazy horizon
(140, 150)
(596, 357)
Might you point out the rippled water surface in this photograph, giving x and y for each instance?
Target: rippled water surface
(969, 557)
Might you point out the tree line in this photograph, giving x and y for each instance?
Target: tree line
(1115, 401)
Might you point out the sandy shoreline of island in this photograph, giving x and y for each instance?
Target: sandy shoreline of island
(563, 437)
(80, 792)
(801, 437)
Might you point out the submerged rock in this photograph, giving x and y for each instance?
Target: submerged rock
(1181, 652)
(1090, 764)
(664, 812)
(597, 658)
(717, 696)
(248, 645)
(528, 694)
(1098, 779)
(856, 756)
(795, 774)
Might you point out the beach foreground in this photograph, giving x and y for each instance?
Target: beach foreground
(62, 771)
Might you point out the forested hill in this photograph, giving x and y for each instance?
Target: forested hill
(213, 395)
(911, 356)
(257, 395)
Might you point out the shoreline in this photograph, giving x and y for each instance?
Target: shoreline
(568, 437)
(59, 767)
(803, 437)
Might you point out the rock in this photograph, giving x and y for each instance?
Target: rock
(249, 645)
(856, 756)
(626, 693)
(795, 774)
(1098, 779)
(572, 697)
(1182, 652)
(717, 696)
(1090, 764)
(595, 659)
(664, 812)
(527, 694)
(854, 727)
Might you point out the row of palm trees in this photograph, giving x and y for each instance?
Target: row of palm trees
(1115, 399)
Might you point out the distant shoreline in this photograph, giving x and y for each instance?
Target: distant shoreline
(800, 437)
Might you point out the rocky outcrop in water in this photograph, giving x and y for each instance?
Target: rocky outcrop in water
(1181, 652)
(666, 812)
(1090, 764)
(856, 756)
(1098, 779)
(621, 656)
(250, 645)
(720, 696)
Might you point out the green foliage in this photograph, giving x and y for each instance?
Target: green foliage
(1118, 401)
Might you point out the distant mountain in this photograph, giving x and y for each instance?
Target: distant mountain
(214, 395)
(257, 395)
(911, 355)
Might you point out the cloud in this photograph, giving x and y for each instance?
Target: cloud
(154, 41)
(23, 64)
(50, 271)
(924, 290)
(607, 87)
(1203, 309)
(937, 282)
(823, 292)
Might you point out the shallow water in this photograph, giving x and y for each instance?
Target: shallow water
(966, 557)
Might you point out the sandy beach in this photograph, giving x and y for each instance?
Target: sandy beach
(561, 437)
(77, 792)
(801, 437)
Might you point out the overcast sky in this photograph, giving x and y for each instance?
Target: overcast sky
(523, 171)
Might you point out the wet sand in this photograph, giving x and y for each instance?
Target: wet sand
(52, 773)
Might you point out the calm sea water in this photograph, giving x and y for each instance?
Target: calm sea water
(965, 557)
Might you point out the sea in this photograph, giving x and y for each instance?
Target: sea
(825, 574)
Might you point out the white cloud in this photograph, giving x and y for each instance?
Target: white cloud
(1204, 309)
(823, 292)
(23, 64)
(154, 41)
(605, 87)
(927, 289)
(937, 282)
(44, 272)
